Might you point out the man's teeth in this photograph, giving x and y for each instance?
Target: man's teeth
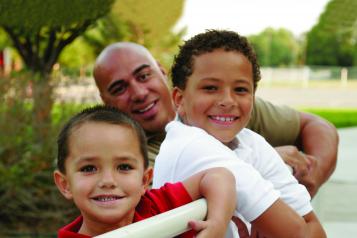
(223, 119)
(147, 108)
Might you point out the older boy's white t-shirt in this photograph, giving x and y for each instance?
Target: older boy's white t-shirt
(188, 150)
(255, 150)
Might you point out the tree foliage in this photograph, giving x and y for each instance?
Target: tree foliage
(333, 41)
(275, 47)
(145, 22)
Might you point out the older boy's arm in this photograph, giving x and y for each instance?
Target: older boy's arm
(319, 140)
(217, 185)
(314, 227)
(279, 220)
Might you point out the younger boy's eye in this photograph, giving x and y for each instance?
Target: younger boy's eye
(88, 169)
(209, 88)
(125, 167)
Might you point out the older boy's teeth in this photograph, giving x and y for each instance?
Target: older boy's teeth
(223, 119)
(147, 108)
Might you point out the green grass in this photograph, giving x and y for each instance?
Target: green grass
(340, 117)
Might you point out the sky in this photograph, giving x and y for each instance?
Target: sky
(250, 16)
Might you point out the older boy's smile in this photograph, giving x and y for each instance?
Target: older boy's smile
(223, 119)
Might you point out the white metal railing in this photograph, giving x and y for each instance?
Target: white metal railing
(164, 225)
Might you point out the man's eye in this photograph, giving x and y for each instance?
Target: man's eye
(88, 169)
(144, 76)
(125, 167)
(120, 89)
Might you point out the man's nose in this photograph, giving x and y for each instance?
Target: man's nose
(138, 92)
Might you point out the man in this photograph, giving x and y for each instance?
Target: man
(129, 78)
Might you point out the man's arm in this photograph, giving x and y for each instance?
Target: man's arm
(217, 185)
(319, 140)
(291, 133)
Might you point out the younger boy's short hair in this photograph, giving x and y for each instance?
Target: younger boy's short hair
(99, 113)
(206, 42)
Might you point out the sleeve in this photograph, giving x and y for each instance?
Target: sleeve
(272, 167)
(167, 197)
(254, 194)
(279, 125)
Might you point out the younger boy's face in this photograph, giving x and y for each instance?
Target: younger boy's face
(105, 174)
(219, 94)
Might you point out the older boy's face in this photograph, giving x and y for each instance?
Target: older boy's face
(219, 94)
(105, 173)
(131, 80)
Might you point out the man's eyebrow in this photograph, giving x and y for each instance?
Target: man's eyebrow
(137, 70)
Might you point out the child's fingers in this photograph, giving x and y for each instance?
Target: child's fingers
(197, 225)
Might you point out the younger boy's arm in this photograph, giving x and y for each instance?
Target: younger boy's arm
(217, 185)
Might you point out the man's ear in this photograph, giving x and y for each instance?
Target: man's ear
(177, 97)
(62, 184)
(147, 178)
(162, 69)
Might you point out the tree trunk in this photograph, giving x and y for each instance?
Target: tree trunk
(42, 107)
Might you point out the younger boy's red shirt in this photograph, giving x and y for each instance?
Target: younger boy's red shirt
(154, 202)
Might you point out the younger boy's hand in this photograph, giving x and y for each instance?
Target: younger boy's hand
(206, 229)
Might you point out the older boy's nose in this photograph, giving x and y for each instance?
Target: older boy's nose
(226, 99)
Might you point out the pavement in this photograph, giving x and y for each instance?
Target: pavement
(336, 202)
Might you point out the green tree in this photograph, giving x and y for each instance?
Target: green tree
(145, 22)
(275, 47)
(333, 41)
(40, 31)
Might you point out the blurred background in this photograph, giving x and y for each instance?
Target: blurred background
(307, 51)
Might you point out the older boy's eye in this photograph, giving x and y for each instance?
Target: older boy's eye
(125, 167)
(88, 169)
(241, 90)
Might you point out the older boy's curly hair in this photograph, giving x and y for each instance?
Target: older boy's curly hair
(208, 41)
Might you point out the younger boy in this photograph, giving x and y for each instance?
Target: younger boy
(103, 166)
(215, 76)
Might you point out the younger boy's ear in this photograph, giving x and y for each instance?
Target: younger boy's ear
(147, 178)
(177, 97)
(62, 184)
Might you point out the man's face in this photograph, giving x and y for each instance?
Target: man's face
(131, 80)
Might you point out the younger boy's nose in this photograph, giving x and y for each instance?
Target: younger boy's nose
(107, 180)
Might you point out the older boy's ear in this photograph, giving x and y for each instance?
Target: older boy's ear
(62, 184)
(177, 97)
(147, 178)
